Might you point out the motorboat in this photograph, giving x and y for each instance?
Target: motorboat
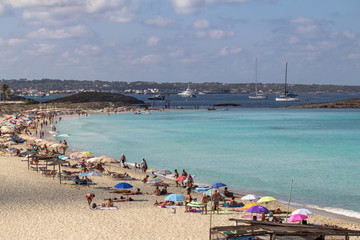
(187, 93)
(158, 96)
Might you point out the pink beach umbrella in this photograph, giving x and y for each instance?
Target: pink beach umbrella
(297, 218)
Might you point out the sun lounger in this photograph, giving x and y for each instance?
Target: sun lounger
(251, 216)
(232, 206)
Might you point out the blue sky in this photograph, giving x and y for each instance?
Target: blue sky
(181, 40)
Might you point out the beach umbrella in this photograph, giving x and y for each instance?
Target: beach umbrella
(123, 185)
(90, 174)
(109, 160)
(151, 170)
(155, 182)
(297, 218)
(266, 199)
(302, 211)
(202, 188)
(250, 197)
(175, 197)
(249, 205)
(181, 178)
(217, 185)
(164, 172)
(63, 157)
(257, 209)
(94, 159)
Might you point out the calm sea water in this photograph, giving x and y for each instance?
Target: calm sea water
(256, 150)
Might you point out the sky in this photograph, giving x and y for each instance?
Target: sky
(181, 40)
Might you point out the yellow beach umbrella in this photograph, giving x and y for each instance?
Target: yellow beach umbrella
(266, 199)
(249, 205)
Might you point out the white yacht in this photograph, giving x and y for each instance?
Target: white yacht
(187, 93)
(287, 96)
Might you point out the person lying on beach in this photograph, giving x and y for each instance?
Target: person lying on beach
(165, 202)
(278, 211)
(109, 203)
(119, 175)
(89, 197)
(233, 202)
(133, 192)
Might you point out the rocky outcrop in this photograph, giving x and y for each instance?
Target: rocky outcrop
(348, 103)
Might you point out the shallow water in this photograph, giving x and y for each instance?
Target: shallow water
(254, 150)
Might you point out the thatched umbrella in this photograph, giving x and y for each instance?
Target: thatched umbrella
(58, 162)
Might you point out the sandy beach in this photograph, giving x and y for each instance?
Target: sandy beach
(37, 207)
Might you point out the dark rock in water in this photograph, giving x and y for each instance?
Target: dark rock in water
(348, 103)
(226, 105)
(87, 97)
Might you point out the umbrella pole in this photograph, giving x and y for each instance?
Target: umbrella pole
(287, 211)
(60, 173)
(28, 162)
(54, 172)
(211, 209)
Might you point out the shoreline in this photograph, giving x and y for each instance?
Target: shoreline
(294, 204)
(64, 211)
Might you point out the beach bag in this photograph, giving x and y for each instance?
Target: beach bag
(93, 205)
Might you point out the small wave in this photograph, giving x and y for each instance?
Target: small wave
(64, 135)
(339, 211)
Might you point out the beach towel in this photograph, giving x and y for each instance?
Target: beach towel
(106, 208)
(251, 216)
(232, 206)
(168, 206)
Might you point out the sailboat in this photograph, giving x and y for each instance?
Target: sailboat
(257, 95)
(287, 96)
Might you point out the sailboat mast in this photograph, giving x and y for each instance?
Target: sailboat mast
(256, 91)
(285, 79)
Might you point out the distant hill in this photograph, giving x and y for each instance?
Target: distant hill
(87, 97)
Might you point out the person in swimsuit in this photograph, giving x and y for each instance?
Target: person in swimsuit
(90, 197)
(216, 198)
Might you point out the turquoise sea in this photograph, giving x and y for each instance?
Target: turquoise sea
(257, 150)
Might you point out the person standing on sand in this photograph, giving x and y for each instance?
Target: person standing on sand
(216, 198)
(90, 197)
(144, 165)
(176, 175)
(205, 200)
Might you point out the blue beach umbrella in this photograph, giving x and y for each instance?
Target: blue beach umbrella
(175, 197)
(217, 185)
(123, 185)
(63, 157)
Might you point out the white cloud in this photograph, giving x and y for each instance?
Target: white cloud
(3, 10)
(354, 56)
(187, 7)
(200, 24)
(301, 21)
(16, 41)
(152, 41)
(349, 35)
(160, 21)
(306, 29)
(214, 34)
(177, 53)
(229, 51)
(220, 34)
(150, 59)
(42, 49)
(60, 12)
(87, 50)
(66, 32)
